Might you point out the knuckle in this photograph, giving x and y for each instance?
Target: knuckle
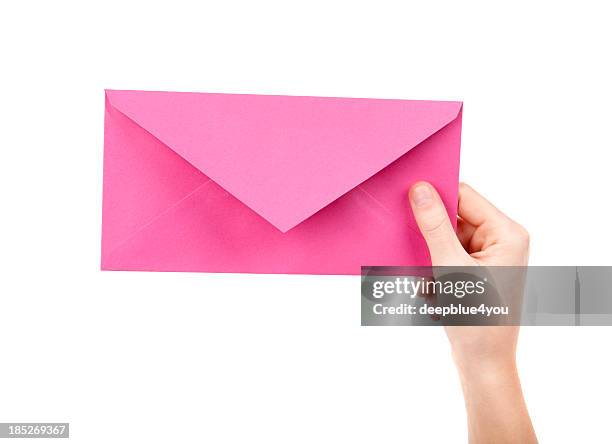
(520, 234)
(434, 224)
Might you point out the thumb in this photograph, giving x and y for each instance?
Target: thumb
(435, 226)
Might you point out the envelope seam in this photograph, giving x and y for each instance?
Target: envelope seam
(155, 218)
(374, 199)
(385, 208)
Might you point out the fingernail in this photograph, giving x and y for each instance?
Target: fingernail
(421, 196)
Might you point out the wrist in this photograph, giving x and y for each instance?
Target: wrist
(486, 370)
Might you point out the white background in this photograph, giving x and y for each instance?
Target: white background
(188, 358)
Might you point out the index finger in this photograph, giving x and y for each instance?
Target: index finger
(475, 209)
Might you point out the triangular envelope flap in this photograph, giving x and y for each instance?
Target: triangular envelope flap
(285, 157)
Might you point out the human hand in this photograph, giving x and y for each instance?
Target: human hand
(485, 356)
(485, 236)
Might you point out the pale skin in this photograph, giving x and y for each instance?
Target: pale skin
(485, 357)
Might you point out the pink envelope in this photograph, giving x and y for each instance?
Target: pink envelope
(270, 184)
